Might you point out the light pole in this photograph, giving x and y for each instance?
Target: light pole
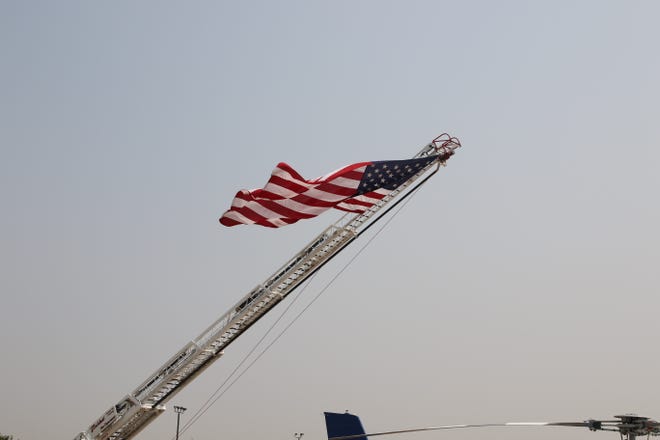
(178, 410)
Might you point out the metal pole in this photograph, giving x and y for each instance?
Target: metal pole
(178, 410)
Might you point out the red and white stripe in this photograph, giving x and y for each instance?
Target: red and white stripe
(288, 197)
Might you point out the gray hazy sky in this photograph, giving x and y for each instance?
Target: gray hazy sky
(520, 284)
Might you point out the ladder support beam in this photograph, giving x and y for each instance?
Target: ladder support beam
(133, 413)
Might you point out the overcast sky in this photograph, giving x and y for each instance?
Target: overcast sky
(520, 284)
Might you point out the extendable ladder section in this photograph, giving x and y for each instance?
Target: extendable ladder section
(135, 411)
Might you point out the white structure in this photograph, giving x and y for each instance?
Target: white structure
(135, 411)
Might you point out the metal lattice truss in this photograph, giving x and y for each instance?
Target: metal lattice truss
(135, 411)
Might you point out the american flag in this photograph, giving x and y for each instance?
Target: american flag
(288, 197)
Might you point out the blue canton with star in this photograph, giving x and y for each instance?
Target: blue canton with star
(390, 174)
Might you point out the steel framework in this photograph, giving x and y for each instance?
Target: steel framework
(136, 410)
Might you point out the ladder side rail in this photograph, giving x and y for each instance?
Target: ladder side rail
(201, 352)
(185, 356)
(256, 293)
(354, 222)
(135, 423)
(340, 237)
(241, 321)
(156, 385)
(217, 327)
(302, 263)
(171, 365)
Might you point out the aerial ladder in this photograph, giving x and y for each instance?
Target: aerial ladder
(136, 410)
